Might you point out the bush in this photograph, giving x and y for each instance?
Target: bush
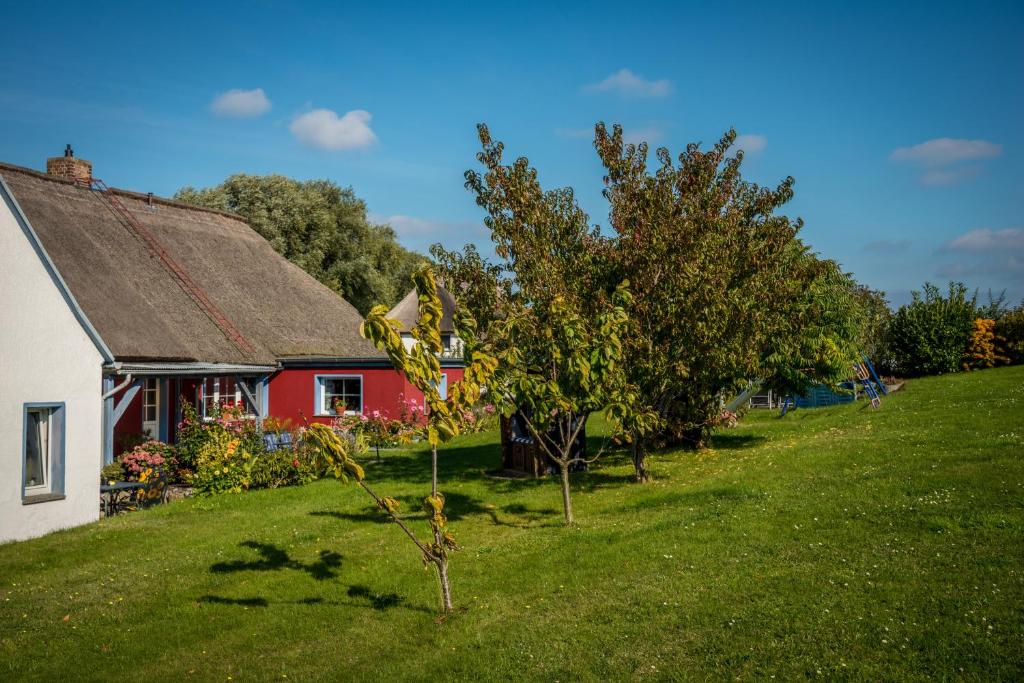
(285, 467)
(984, 349)
(223, 464)
(112, 473)
(191, 437)
(148, 459)
(1011, 328)
(928, 336)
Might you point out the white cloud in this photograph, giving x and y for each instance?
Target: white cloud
(751, 144)
(988, 240)
(991, 258)
(625, 82)
(419, 233)
(241, 103)
(945, 151)
(325, 129)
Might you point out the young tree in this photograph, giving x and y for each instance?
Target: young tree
(559, 367)
(321, 228)
(562, 342)
(422, 367)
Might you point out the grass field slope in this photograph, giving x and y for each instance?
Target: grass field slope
(838, 543)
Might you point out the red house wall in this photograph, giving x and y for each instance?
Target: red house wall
(293, 391)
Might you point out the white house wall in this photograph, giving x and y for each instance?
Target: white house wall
(45, 356)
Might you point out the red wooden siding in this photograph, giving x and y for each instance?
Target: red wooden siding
(292, 391)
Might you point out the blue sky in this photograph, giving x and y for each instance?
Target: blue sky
(903, 123)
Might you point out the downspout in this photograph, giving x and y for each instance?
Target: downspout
(119, 387)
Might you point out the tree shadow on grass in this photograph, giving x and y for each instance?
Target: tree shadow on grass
(458, 507)
(736, 441)
(362, 596)
(273, 558)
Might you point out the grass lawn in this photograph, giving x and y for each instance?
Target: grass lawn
(835, 543)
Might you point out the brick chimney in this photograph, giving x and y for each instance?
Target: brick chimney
(70, 167)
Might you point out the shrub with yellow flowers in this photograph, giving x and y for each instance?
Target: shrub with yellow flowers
(223, 464)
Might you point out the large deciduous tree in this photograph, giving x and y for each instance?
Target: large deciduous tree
(718, 278)
(323, 229)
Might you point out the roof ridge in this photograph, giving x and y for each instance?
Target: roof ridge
(132, 194)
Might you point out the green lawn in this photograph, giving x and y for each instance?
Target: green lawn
(835, 543)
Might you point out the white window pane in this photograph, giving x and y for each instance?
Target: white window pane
(344, 394)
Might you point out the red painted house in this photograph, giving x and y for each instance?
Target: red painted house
(191, 304)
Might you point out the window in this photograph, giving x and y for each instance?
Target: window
(215, 391)
(43, 466)
(150, 399)
(335, 391)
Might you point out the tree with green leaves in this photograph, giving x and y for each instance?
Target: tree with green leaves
(421, 365)
(719, 281)
(929, 334)
(821, 336)
(561, 344)
(320, 227)
(481, 287)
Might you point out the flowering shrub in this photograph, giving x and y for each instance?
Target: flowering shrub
(380, 430)
(223, 464)
(154, 457)
(478, 418)
(286, 466)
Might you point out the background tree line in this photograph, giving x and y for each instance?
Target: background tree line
(323, 229)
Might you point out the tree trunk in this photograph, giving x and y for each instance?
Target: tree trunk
(566, 495)
(694, 437)
(446, 591)
(433, 471)
(640, 462)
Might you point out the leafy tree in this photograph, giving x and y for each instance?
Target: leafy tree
(562, 343)
(984, 347)
(723, 289)
(480, 286)
(559, 367)
(875, 323)
(1011, 328)
(421, 365)
(930, 333)
(822, 333)
(320, 227)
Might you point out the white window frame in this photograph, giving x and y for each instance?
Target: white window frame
(218, 397)
(52, 487)
(320, 395)
(151, 399)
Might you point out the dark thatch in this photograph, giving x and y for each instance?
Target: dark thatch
(407, 310)
(140, 310)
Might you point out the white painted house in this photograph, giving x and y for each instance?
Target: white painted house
(51, 416)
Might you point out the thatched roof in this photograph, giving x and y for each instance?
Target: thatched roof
(141, 311)
(406, 311)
